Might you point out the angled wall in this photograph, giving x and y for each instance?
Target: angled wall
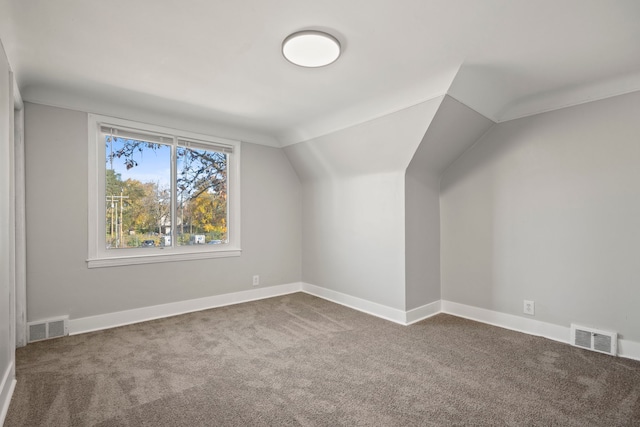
(371, 202)
(547, 208)
(353, 209)
(454, 128)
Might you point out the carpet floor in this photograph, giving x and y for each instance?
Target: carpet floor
(298, 360)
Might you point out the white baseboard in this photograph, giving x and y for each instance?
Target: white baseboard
(424, 312)
(373, 308)
(507, 321)
(143, 314)
(627, 349)
(7, 386)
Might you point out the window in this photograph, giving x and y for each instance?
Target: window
(159, 194)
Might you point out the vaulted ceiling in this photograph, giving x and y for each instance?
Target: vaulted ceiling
(220, 60)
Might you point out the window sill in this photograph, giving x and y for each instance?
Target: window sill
(160, 258)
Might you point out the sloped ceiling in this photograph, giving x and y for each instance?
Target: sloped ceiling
(383, 145)
(220, 62)
(453, 129)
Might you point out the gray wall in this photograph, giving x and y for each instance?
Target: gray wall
(58, 280)
(547, 208)
(6, 227)
(353, 204)
(454, 128)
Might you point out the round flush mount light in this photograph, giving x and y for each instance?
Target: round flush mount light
(311, 48)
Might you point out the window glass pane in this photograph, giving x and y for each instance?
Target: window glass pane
(138, 193)
(201, 196)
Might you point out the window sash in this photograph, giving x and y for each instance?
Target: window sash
(98, 255)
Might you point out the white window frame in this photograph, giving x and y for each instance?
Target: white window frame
(100, 256)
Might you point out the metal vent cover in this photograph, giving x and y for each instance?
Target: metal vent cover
(37, 331)
(46, 329)
(602, 343)
(57, 329)
(583, 338)
(594, 339)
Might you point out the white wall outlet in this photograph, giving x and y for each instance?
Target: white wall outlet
(256, 280)
(529, 307)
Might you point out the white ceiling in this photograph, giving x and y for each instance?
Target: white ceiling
(220, 60)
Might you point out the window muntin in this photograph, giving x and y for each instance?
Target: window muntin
(144, 176)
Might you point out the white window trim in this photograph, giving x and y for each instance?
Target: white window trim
(99, 256)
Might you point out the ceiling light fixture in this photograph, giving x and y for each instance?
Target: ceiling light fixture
(311, 48)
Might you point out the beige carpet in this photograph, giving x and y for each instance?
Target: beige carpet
(298, 360)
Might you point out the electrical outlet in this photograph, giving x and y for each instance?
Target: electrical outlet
(256, 280)
(529, 307)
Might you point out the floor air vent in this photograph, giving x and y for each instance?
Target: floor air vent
(50, 328)
(594, 339)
